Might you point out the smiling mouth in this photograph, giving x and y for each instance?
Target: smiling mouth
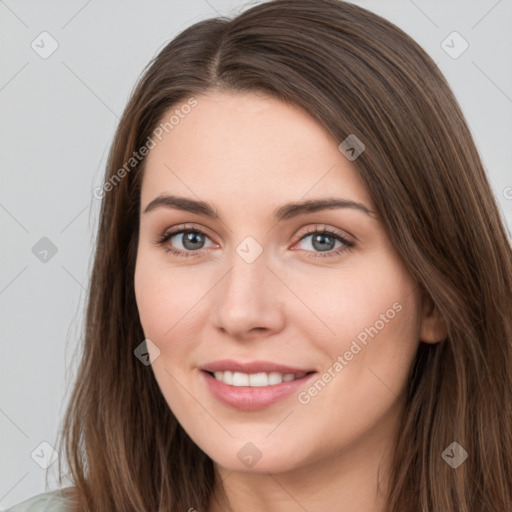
(253, 391)
(260, 379)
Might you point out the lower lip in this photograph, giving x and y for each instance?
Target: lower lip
(248, 398)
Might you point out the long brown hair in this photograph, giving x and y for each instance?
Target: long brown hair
(357, 74)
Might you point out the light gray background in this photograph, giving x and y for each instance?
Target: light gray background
(58, 117)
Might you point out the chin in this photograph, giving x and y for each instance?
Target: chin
(251, 457)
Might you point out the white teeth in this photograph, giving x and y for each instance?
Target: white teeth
(258, 379)
(255, 379)
(227, 377)
(240, 379)
(274, 378)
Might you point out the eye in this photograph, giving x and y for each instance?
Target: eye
(323, 242)
(191, 239)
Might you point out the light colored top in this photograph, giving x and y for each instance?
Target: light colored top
(52, 501)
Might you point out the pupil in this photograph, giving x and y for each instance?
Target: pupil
(322, 239)
(191, 237)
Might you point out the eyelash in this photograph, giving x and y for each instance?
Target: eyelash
(347, 244)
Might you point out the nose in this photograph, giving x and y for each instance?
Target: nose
(249, 300)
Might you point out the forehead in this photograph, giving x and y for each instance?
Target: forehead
(248, 142)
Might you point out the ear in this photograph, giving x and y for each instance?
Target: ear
(433, 327)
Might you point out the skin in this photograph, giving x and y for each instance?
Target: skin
(248, 154)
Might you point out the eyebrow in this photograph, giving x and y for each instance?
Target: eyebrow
(284, 212)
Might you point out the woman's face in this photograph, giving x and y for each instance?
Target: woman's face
(257, 292)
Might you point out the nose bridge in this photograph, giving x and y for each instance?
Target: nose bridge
(248, 263)
(247, 281)
(248, 296)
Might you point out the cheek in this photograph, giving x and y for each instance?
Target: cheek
(349, 301)
(375, 318)
(149, 294)
(372, 314)
(168, 300)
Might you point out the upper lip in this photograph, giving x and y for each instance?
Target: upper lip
(251, 367)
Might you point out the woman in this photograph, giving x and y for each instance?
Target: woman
(340, 336)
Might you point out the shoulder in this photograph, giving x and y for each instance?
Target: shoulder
(53, 501)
